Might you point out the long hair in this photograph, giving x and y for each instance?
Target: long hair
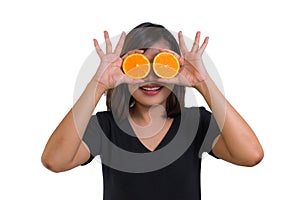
(143, 36)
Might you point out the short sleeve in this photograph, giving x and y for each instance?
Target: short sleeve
(92, 138)
(209, 130)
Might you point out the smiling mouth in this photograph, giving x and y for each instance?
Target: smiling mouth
(151, 89)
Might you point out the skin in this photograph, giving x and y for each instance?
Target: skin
(148, 116)
(236, 144)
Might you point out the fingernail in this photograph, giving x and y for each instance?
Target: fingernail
(95, 42)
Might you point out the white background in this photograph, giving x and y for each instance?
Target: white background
(43, 44)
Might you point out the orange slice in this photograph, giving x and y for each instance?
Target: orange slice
(136, 66)
(166, 65)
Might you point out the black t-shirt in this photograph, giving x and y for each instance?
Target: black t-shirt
(171, 171)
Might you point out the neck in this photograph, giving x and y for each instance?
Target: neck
(145, 115)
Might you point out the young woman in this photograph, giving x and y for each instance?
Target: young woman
(149, 143)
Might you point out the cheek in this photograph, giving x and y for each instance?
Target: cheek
(169, 87)
(166, 92)
(132, 89)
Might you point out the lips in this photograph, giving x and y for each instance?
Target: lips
(151, 89)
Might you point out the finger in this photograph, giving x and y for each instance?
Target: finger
(182, 43)
(203, 46)
(98, 49)
(174, 80)
(107, 42)
(129, 80)
(181, 60)
(136, 81)
(164, 80)
(196, 42)
(120, 44)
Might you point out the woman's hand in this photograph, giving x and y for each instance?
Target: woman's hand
(192, 70)
(109, 73)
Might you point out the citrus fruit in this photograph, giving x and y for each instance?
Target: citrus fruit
(166, 65)
(136, 66)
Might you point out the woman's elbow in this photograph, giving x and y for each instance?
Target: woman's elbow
(50, 164)
(255, 157)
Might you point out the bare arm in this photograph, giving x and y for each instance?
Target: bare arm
(65, 148)
(237, 142)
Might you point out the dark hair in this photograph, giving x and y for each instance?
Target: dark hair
(144, 36)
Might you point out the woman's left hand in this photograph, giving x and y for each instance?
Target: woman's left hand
(192, 69)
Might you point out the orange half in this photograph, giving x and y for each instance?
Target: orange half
(136, 66)
(166, 65)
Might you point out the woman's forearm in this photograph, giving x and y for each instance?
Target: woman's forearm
(65, 141)
(239, 143)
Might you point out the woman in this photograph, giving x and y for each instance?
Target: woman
(150, 144)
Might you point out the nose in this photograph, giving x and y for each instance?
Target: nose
(150, 53)
(151, 76)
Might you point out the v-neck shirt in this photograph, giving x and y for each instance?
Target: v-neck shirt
(133, 172)
(152, 134)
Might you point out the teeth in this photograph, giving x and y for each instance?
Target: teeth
(151, 89)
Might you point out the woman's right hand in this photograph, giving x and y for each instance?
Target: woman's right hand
(109, 73)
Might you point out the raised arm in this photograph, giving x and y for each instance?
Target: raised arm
(65, 148)
(237, 142)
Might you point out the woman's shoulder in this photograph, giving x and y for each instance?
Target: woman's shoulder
(201, 114)
(104, 113)
(104, 117)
